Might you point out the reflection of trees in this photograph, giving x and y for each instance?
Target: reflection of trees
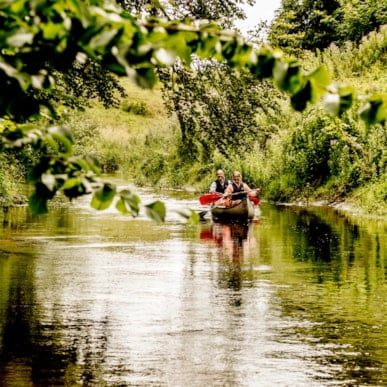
(14, 218)
(335, 246)
(33, 350)
(316, 239)
(335, 270)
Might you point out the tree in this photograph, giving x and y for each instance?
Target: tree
(360, 18)
(306, 24)
(222, 11)
(314, 25)
(217, 108)
(37, 37)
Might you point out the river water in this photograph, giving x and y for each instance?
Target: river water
(295, 298)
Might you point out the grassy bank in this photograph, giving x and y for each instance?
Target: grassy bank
(141, 140)
(137, 138)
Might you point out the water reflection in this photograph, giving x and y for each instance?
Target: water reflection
(233, 239)
(297, 298)
(234, 242)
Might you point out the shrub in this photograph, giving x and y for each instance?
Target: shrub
(139, 108)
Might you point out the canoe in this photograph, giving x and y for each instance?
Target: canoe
(242, 211)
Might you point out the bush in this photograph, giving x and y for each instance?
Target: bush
(139, 108)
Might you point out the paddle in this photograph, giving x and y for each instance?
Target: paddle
(255, 200)
(210, 198)
(213, 197)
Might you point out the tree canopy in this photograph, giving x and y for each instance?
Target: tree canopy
(222, 11)
(314, 25)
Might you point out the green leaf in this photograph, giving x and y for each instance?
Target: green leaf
(228, 49)
(165, 57)
(121, 207)
(156, 211)
(287, 76)
(145, 77)
(128, 203)
(264, 66)
(74, 187)
(182, 42)
(346, 98)
(210, 47)
(103, 197)
(102, 40)
(332, 104)
(191, 216)
(338, 102)
(35, 173)
(93, 164)
(37, 204)
(60, 140)
(63, 135)
(49, 181)
(300, 99)
(80, 163)
(374, 111)
(20, 39)
(52, 30)
(320, 77)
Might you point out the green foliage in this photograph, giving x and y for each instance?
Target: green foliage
(156, 211)
(194, 9)
(12, 175)
(103, 197)
(371, 51)
(307, 153)
(128, 203)
(41, 39)
(373, 198)
(217, 109)
(324, 157)
(139, 108)
(83, 81)
(305, 25)
(360, 18)
(314, 25)
(31, 47)
(154, 166)
(351, 59)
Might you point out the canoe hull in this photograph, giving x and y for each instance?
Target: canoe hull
(240, 212)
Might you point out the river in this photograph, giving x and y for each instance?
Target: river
(295, 298)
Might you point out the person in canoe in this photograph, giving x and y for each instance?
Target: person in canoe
(231, 195)
(220, 184)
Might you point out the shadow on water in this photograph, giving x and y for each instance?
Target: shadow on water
(294, 298)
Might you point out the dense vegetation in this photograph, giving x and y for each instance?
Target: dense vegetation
(220, 117)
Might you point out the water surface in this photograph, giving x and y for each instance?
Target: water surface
(295, 298)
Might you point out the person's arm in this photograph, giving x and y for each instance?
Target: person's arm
(229, 190)
(213, 186)
(250, 192)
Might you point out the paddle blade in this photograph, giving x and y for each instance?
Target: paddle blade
(254, 200)
(209, 198)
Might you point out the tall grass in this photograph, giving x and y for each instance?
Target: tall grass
(138, 138)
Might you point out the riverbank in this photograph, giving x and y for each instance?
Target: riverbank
(143, 139)
(346, 207)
